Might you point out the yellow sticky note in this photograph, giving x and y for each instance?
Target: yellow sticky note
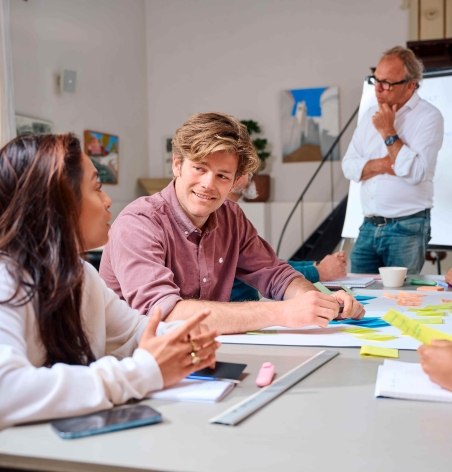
(422, 333)
(376, 337)
(262, 332)
(376, 351)
(430, 313)
(359, 330)
(442, 306)
(430, 320)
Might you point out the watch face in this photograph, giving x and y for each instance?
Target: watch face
(391, 140)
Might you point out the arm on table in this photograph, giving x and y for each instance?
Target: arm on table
(302, 306)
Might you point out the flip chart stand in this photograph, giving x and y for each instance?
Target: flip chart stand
(247, 407)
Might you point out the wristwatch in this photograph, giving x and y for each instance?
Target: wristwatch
(390, 140)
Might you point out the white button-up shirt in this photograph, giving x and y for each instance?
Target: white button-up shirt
(421, 128)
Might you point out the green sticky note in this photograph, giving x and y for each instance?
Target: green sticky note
(431, 283)
(376, 351)
(431, 320)
(346, 289)
(322, 288)
(422, 333)
(262, 332)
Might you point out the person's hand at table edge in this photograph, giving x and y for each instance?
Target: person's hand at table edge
(436, 360)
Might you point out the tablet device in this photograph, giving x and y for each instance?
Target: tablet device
(106, 421)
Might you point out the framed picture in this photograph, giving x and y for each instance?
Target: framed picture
(309, 124)
(168, 157)
(102, 149)
(29, 125)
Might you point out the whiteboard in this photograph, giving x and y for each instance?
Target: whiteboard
(436, 88)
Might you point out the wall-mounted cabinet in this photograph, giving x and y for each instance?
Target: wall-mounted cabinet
(429, 19)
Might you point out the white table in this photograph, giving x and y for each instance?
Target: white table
(329, 421)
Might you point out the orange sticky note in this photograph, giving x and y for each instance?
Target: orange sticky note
(431, 289)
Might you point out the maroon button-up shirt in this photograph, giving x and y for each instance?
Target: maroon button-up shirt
(156, 256)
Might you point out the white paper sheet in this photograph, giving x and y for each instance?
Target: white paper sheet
(334, 335)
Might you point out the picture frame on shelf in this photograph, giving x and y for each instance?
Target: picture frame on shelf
(29, 125)
(103, 150)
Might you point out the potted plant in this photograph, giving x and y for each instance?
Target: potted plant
(262, 181)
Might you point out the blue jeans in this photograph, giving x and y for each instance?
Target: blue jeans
(400, 243)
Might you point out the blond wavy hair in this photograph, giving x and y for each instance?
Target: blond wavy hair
(206, 133)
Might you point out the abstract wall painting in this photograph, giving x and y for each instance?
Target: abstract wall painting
(102, 149)
(309, 123)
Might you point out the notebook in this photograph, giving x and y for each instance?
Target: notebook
(407, 381)
(196, 391)
(351, 282)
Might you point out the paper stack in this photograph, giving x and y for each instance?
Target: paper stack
(198, 391)
(408, 381)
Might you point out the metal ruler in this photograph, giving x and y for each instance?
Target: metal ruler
(247, 407)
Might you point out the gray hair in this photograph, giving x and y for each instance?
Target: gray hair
(412, 65)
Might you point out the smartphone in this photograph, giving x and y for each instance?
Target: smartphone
(106, 421)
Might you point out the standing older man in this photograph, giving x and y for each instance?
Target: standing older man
(393, 153)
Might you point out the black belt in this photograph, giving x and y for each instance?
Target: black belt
(382, 221)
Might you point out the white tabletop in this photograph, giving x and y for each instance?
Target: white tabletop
(329, 421)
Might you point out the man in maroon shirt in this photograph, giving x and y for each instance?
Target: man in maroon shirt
(180, 249)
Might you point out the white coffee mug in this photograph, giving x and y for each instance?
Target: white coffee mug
(393, 277)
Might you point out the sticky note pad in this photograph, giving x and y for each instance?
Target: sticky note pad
(376, 351)
(359, 330)
(430, 289)
(422, 333)
(443, 306)
(322, 288)
(262, 332)
(376, 337)
(431, 320)
(430, 313)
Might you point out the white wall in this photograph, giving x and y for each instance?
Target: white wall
(237, 56)
(104, 41)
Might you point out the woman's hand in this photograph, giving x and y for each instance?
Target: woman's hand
(173, 351)
(436, 360)
(449, 277)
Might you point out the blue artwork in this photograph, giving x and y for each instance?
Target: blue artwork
(310, 123)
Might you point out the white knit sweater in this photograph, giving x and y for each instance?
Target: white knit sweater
(31, 392)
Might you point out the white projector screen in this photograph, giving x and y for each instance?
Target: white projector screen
(436, 88)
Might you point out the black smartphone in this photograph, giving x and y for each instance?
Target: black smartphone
(106, 421)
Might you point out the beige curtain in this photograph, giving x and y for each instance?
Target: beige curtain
(7, 113)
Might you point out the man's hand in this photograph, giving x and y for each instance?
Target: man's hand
(383, 120)
(309, 309)
(436, 360)
(332, 266)
(352, 308)
(449, 277)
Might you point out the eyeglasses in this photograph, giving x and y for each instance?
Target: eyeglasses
(385, 85)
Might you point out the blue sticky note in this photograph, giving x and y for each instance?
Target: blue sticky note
(361, 298)
(370, 322)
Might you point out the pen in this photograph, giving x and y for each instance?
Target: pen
(199, 377)
(342, 244)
